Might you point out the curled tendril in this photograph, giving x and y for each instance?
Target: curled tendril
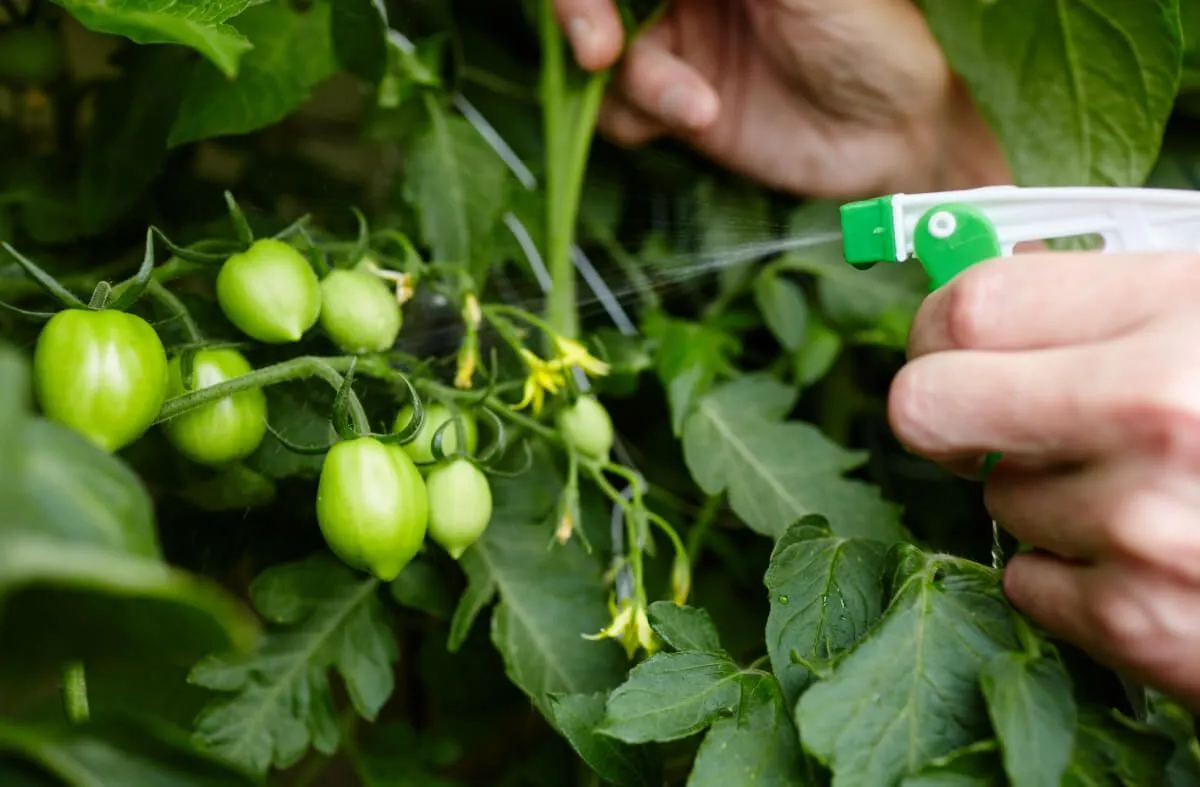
(193, 255)
(296, 448)
(26, 314)
(416, 423)
(491, 469)
(363, 243)
(458, 422)
(499, 442)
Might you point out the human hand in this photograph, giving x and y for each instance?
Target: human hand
(1083, 369)
(827, 98)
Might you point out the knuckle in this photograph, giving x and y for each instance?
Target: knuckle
(966, 319)
(1163, 418)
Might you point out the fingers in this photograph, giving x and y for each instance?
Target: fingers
(1042, 300)
(664, 88)
(626, 125)
(1047, 405)
(594, 30)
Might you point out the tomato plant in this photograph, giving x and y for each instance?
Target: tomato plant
(226, 430)
(103, 373)
(666, 537)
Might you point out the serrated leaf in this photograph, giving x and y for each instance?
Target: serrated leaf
(277, 700)
(1030, 702)
(113, 754)
(684, 627)
(1110, 748)
(577, 717)
(127, 143)
(689, 358)
(776, 471)
(550, 595)
(784, 309)
(198, 24)
(1032, 70)
(458, 187)
(359, 29)
(673, 695)
(756, 746)
(908, 693)
(825, 594)
(292, 54)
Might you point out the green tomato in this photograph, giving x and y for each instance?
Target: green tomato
(436, 414)
(587, 426)
(359, 312)
(223, 431)
(269, 292)
(372, 506)
(30, 56)
(101, 373)
(460, 505)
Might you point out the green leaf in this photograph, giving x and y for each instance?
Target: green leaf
(783, 307)
(113, 754)
(359, 29)
(458, 187)
(973, 766)
(1033, 711)
(578, 716)
(673, 695)
(1110, 748)
(292, 54)
(908, 693)
(197, 24)
(689, 358)
(1032, 71)
(882, 299)
(276, 701)
(108, 606)
(756, 746)
(127, 143)
(778, 471)
(684, 628)
(822, 347)
(300, 412)
(826, 592)
(421, 587)
(550, 596)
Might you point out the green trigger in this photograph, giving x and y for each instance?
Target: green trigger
(952, 237)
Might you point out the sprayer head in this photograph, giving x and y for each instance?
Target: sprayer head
(867, 232)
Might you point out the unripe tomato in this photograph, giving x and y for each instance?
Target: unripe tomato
(102, 373)
(436, 414)
(587, 426)
(372, 506)
(460, 505)
(223, 431)
(269, 292)
(359, 312)
(30, 56)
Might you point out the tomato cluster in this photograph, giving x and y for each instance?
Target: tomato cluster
(375, 508)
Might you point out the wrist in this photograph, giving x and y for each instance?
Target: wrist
(973, 156)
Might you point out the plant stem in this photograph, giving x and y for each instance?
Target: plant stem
(175, 306)
(75, 698)
(295, 369)
(695, 537)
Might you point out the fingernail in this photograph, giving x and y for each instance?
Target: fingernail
(685, 108)
(579, 30)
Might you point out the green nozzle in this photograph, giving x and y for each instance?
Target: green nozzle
(867, 235)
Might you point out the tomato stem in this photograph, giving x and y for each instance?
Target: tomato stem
(75, 698)
(286, 371)
(176, 308)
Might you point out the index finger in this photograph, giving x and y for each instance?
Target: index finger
(594, 30)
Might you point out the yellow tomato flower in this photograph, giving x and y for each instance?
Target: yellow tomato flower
(544, 377)
(572, 353)
(630, 627)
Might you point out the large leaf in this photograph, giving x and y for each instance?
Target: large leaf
(778, 471)
(276, 702)
(112, 755)
(196, 23)
(1110, 749)
(1078, 93)
(550, 596)
(292, 54)
(458, 187)
(689, 357)
(909, 693)
(578, 716)
(826, 592)
(1033, 712)
(127, 143)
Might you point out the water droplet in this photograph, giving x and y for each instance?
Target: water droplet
(783, 599)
